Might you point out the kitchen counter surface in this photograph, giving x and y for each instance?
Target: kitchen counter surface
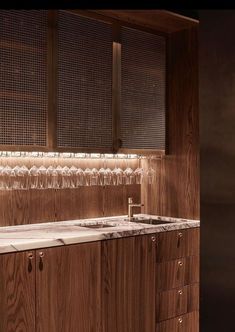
(35, 236)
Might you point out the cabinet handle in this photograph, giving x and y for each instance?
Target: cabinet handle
(30, 258)
(180, 264)
(180, 293)
(180, 320)
(180, 235)
(41, 255)
(153, 238)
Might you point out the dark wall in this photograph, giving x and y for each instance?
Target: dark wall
(217, 135)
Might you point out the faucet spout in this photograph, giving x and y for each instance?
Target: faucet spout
(131, 205)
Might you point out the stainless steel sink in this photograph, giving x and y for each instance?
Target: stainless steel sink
(152, 222)
(97, 225)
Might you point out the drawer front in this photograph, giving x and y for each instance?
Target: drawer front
(185, 323)
(177, 244)
(193, 298)
(171, 274)
(171, 303)
(177, 273)
(192, 269)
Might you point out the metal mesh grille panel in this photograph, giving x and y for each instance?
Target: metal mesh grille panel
(143, 90)
(23, 77)
(84, 114)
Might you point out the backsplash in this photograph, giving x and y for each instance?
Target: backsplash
(54, 204)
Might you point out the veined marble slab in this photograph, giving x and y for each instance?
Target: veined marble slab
(43, 235)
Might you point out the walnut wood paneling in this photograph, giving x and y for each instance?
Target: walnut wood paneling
(185, 323)
(128, 267)
(17, 293)
(161, 20)
(193, 297)
(176, 189)
(68, 289)
(192, 269)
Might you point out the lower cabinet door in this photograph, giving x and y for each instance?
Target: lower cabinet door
(68, 288)
(128, 277)
(17, 292)
(185, 323)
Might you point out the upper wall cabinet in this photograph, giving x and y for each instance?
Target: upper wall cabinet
(84, 104)
(23, 78)
(75, 81)
(143, 84)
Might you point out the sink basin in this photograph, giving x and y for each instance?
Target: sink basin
(152, 222)
(97, 225)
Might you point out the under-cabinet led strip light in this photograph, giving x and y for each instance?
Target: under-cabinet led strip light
(9, 154)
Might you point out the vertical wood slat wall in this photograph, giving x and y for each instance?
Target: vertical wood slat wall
(176, 190)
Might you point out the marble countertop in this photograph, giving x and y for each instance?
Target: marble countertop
(51, 234)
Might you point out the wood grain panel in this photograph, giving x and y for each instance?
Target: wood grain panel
(176, 273)
(170, 274)
(177, 244)
(5, 208)
(193, 297)
(68, 289)
(175, 192)
(160, 20)
(128, 267)
(185, 323)
(171, 303)
(192, 269)
(17, 289)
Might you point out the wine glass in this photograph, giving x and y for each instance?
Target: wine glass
(117, 175)
(25, 177)
(59, 183)
(80, 177)
(66, 176)
(151, 172)
(49, 177)
(88, 176)
(42, 177)
(128, 174)
(33, 177)
(94, 177)
(139, 174)
(73, 171)
(107, 177)
(6, 173)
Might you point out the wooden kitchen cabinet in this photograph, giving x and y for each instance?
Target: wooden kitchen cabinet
(17, 292)
(68, 288)
(128, 284)
(111, 285)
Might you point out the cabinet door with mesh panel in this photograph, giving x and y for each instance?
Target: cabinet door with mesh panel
(142, 113)
(84, 104)
(23, 78)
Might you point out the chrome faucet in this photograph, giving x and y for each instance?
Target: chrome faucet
(131, 205)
